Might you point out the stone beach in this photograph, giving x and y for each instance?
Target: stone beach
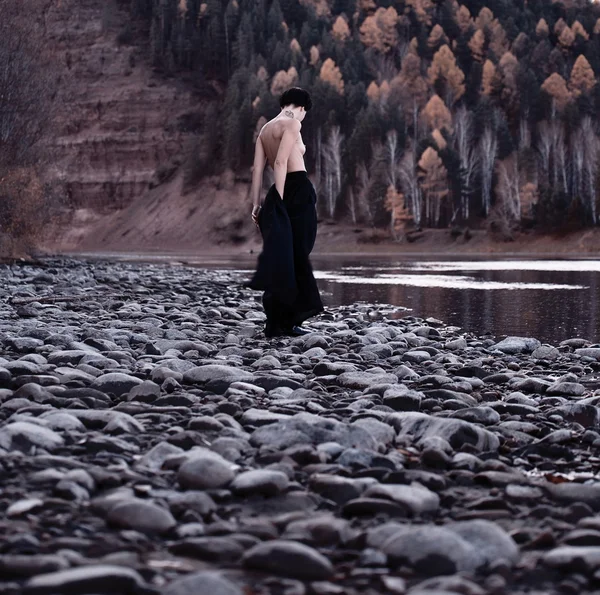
(152, 441)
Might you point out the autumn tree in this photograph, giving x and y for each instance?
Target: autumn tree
(490, 79)
(542, 30)
(566, 38)
(484, 18)
(284, 80)
(463, 19)
(477, 45)
(379, 31)
(332, 75)
(436, 115)
(582, 79)
(444, 74)
(433, 178)
(411, 88)
(509, 72)
(578, 29)
(556, 86)
(437, 37)
(423, 10)
(340, 29)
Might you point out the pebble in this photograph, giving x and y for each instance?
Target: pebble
(152, 440)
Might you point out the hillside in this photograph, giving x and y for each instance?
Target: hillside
(479, 115)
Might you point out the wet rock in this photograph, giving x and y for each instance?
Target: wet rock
(116, 383)
(416, 498)
(513, 345)
(141, 515)
(455, 431)
(260, 481)
(289, 559)
(22, 435)
(204, 581)
(116, 580)
(205, 470)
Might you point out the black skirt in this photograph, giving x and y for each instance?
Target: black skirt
(284, 272)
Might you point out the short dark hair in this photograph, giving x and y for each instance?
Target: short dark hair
(296, 96)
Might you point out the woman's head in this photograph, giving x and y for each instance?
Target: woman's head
(296, 97)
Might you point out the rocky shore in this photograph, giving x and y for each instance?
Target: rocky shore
(153, 442)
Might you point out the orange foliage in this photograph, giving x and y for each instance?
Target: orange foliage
(578, 29)
(436, 115)
(490, 81)
(409, 85)
(283, 80)
(542, 30)
(443, 66)
(484, 18)
(477, 45)
(566, 38)
(314, 55)
(437, 37)
(331, 74)
(556, 86)
(379, 30)
(582, 79)
(423, 10)
(340, 29)
(463, 19)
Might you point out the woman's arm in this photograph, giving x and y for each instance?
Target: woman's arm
(257, 171)
(290, 135)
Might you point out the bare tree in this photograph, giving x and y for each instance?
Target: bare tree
(509, 186)
(468, 154)
(409, 181)
(489, 148)
(391, 149)
(332, 157)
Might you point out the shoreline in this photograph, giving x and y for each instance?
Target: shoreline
(181, 449)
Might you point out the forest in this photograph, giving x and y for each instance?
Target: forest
(426, 113)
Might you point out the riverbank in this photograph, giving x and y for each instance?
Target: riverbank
(153, 441)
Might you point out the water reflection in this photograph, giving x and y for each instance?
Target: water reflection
(550, 300)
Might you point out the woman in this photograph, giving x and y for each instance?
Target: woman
(287, 221)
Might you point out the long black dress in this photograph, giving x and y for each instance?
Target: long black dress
(284, 272)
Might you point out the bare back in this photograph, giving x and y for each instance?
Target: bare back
(270, 136)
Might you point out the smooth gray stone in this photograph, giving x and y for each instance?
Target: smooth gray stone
(333, 487)
(514, 345)
(62, 420)
(200, 583)
(158, 454)
(572, 558)
(217, 376)
(362, 380)
(289, 559)
(260, 481)
(574, 492)
(210, 548)
(22, 435)
(586, 415)
(141, 515)
(571, 389)
(457, 432)
(415, 497)
(261, 417)
(100, 579)
(116, 383)
(593, 352)
(546, 352)
(21, 566)
(488, 538)
(205, 470)
(431, 550)
(306, 428)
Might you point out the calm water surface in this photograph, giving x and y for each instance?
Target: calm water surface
(552, 300)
